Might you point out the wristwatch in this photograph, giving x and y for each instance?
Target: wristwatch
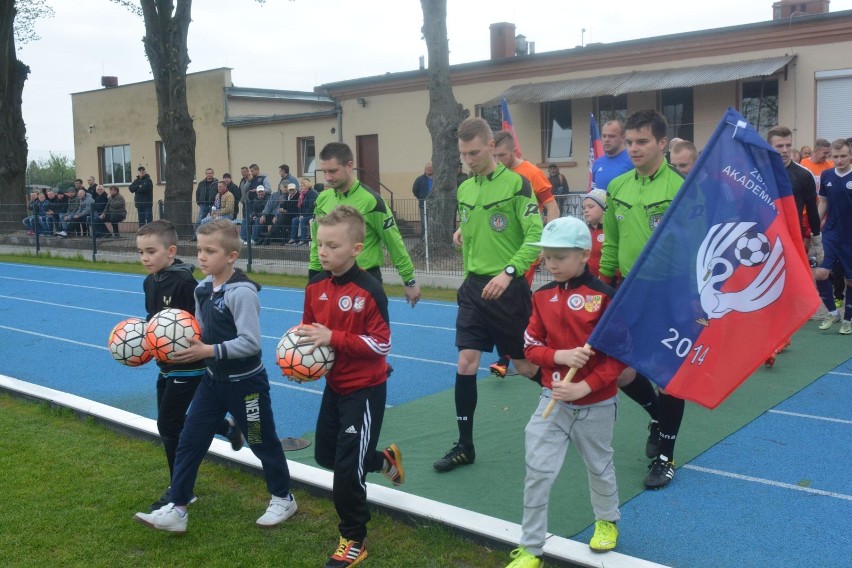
(411, 283)
(510, 270)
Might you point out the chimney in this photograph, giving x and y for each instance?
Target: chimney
(502, 40)
(109, 82)
(787, 9)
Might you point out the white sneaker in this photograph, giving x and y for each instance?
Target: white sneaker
(62, 234)
(830, 320)
(280, 509)
(845, 327)
(166, 518)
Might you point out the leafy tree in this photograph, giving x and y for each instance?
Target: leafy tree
(17, 20)
(56, 171)
(445, 115)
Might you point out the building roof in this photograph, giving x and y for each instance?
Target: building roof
(641, 81)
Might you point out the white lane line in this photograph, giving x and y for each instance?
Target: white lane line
(811, 416)
(66, 285)
(265, 308)
(768, 482)
(56, 338)
(839, 373)
(53, 337)
(80, 270)
(120, 314)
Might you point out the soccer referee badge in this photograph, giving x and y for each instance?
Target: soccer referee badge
(498, 222)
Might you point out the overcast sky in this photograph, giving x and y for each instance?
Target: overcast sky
(296, 45)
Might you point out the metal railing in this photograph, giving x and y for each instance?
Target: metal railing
(269, 252)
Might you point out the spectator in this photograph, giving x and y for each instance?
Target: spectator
(683, 156)
(59, 208)
(143, 190)
(271, 210)
(236, 192)
(615, 160)
(98, 207)
(300, 233)
(286, 178)
(284, 215)
(421, 189)
(205, 193)
(245, 183)
(805, 152)
(558, 183)
(93, 187)
(73, 203)
(38, 221)
(115, 212)
(254, 210)
(223, 204)
(80, 216)
(818, 161)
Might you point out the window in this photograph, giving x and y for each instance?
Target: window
(493, 115)
(760, 104)
(115, 164)
(307, 156)
(161, 162)
(611, 108)
(557, 130)
(834, 89)
(676, 105)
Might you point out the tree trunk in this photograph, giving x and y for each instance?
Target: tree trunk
(165, 41)
(445, 115)
(13, 131)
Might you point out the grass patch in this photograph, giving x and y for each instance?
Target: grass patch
(267, 279)
(71, 487)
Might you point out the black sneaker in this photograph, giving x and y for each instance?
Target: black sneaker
(165, 499)
(459, 454)
(661, 471)
(652, 446)
(234, 435)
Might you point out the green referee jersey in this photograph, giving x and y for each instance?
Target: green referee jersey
(635, 205)
(381, 228)
(499, 219)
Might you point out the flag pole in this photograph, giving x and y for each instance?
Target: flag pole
(552, 404)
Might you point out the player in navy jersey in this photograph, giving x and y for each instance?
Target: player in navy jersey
(835, 206)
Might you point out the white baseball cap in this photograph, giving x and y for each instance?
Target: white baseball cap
(566, 232)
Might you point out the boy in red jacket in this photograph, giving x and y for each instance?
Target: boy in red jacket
(564, 314)
(347, 309)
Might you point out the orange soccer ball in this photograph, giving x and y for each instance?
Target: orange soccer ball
(127, 343)
(297, 363)
(169, 331)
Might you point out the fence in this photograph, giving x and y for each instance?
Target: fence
(270, 252)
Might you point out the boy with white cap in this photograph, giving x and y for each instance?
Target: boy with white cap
(565, 312)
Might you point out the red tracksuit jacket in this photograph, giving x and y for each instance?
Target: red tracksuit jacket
(564, 315)
(355, 308)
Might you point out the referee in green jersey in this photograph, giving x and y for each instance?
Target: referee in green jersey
(499, 220)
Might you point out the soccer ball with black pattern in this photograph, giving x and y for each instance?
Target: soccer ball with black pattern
(127, 343)
(295, 361)
(752, 248)
(169, 331)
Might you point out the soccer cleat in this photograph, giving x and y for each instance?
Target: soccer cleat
(234, 435)
(459, 454)
(829, 321)
(652, 446)
(661, 471)
(500, 367)
(838, 303)
(605, 537)
(166, 518)
(393, 469)
(845, 327)
(348, 553)
(166, 498)
(523, 559)
(280, 509)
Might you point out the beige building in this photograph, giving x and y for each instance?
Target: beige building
(792, 70)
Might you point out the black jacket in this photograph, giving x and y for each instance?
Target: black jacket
(143, 190)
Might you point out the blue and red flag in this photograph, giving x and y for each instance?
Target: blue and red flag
(507, 126)
(724, 278)
(595, 146)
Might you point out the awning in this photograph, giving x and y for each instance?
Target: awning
(642, 81)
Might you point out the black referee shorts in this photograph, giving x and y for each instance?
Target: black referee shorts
(484, 324)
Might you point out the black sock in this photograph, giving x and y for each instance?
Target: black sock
(642, 392)
(826, 294)
(847, 312)
(671, 415)
(465, 407)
